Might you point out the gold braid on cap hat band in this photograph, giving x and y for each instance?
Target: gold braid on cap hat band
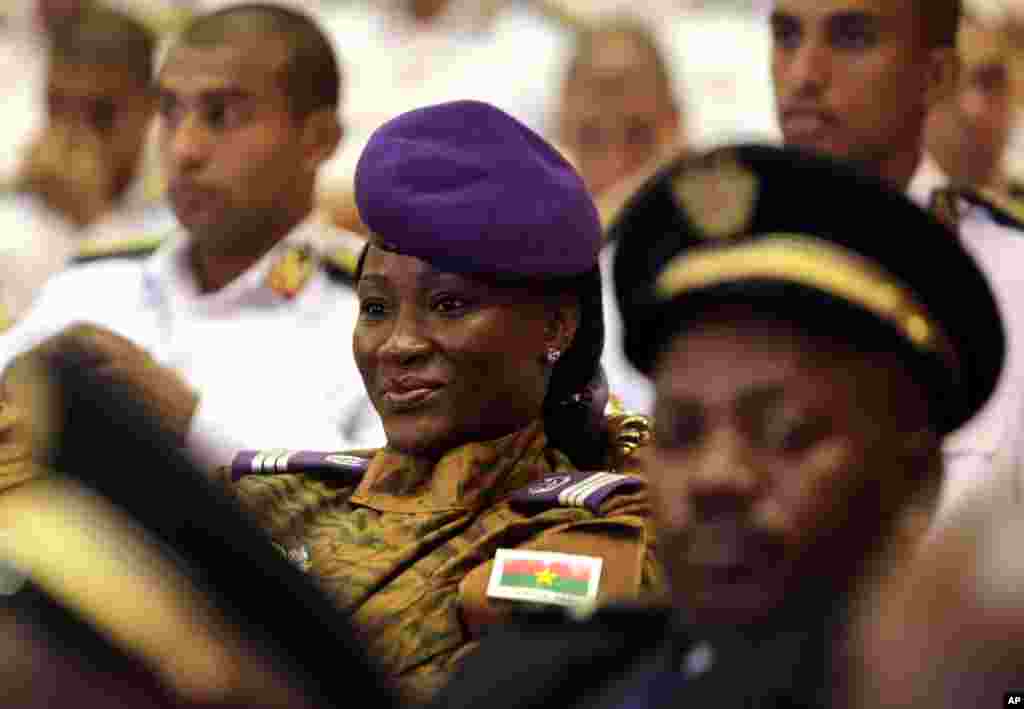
(815, 263)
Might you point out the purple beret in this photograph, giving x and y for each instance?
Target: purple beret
(470, 189)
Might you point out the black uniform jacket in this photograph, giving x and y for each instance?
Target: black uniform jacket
(627, 657)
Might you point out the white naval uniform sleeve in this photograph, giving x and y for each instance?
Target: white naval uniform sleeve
(289, 382)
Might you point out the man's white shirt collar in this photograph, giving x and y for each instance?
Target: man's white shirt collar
(168, 272)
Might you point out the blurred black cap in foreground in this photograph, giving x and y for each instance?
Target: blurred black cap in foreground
(147, 583)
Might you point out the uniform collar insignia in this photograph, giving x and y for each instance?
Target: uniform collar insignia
(97, 248)
(292, 271)
(578, 489)
(719, 195)
(1004, 210)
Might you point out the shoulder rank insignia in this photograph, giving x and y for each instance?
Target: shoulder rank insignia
(293, 269)
(1006, 211)
(297, 555)
(97, 249)
(342, 466)
(579, 489)
(719, 195)
(945, 206)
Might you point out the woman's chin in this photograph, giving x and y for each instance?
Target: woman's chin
(421, 437)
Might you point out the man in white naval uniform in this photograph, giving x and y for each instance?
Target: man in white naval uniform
(232, 328)
(856, 79)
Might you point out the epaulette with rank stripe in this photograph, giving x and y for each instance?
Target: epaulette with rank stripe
(581, 489)
(340, 264)
(338, 466)
(97, 249)
(1006, 211)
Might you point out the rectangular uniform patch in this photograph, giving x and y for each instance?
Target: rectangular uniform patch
(545, 577)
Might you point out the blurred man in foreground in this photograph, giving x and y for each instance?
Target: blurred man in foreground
(806, 370)
(139, 588)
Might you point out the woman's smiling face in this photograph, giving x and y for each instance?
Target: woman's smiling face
(447, 359)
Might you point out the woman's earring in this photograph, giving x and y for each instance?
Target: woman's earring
(553, 355)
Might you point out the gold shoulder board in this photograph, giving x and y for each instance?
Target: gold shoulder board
(341, 263)
(1005, 210)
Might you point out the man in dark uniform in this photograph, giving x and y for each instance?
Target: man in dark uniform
(807, 365)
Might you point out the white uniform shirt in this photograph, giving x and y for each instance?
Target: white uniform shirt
(271, 372)
(634, 390)
(724, 84)
(985, 452)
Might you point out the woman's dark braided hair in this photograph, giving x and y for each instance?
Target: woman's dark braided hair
(568, 419)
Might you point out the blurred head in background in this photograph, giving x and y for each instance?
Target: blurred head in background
(53, 13)
(967, 132)
(618, 112)
(425, 10)
(99, 107)
(98, 85)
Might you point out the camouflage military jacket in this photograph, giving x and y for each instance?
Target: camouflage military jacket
(409, 548)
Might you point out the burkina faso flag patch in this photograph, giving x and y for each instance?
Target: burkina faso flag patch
(545, 577)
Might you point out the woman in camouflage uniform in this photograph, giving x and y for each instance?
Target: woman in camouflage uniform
(479, 336)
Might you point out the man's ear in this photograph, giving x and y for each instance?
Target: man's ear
(321, 135)
(563, 321)
(943, 75)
